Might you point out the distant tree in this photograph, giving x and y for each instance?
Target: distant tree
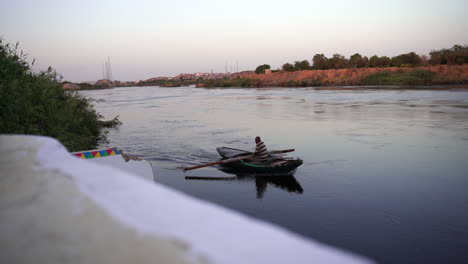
(436, 57)
(320, 62)
(366, 61)
(288, 67)
(261, 69)
(338, 62)
(397, 61)
(424, 59)
(456, 55)
(414, 58)
(384, 61)
(357, 61)
(302, 65)
(374, 61)
(408, 59)
(465, 54)
(459, 54)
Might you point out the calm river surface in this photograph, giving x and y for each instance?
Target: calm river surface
(385, 172)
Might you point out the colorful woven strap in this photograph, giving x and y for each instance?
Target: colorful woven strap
(97, 153)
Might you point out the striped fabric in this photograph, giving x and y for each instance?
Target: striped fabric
(96, 153)
(261, 151)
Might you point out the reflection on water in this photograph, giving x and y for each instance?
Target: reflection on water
(287, 183)
(385, 171)
(283, 182)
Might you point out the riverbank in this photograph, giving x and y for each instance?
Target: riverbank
(441, 74)
(414, 76)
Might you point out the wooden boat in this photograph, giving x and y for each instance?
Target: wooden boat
(276, 164)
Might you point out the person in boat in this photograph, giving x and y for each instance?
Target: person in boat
(261, 152)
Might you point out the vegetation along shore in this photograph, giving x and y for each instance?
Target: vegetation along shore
(36, 103)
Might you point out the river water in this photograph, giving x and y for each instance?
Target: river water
(385, 171)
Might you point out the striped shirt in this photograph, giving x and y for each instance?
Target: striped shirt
(261, 151)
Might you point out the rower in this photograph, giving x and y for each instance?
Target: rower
(260, 150)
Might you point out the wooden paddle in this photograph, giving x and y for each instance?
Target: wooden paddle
(235, 159)
(211, 178)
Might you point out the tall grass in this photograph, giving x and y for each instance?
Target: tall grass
(36, 104)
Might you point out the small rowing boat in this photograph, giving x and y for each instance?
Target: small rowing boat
(276, 164)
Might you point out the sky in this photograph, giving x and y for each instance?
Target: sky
(147, 39)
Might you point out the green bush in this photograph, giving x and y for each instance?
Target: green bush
(425, 76)
(36, 104)
(416, 77)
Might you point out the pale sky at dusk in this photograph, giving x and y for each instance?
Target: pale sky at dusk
(146, 39)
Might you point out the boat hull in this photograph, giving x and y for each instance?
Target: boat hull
(285, 168)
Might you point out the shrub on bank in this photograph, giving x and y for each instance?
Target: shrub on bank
(36, 104)
(416, 77)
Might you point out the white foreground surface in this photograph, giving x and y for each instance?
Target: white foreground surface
(56, 208)
(140, 167)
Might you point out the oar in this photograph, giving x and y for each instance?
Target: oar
(210, 178)
(219, 162)
(234, 159)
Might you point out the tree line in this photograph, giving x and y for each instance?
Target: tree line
(456, 55)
